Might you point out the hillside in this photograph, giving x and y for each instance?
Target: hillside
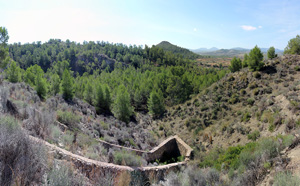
(167, 46)
(108, 114)
(241, 108)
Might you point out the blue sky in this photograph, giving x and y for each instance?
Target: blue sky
(190, 24)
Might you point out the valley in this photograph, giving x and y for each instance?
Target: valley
(99, 113)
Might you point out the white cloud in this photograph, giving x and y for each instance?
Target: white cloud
(248, 28)
(259, 26)
(195, 29)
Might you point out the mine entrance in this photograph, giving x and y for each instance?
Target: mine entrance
(171, 154)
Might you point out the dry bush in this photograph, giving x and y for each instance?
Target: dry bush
(107, 178)
(123, 179)
(22, 161)
(286, 178)
(138, 178)
(194, 176)
(3, 99)
(39, 122)
(63, 174)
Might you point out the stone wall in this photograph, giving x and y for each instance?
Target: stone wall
(172, 145)
(92, 169)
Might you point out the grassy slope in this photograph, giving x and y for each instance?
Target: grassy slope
(240, 103)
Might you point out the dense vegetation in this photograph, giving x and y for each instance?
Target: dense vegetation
(85, 71)
(88, 57)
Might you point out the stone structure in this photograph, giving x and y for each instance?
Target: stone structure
(93, 169)
(172, 147)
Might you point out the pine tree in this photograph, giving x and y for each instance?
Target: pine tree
(107, 98)
(13, 72)
(55, 84)
(235, 64)
(137, 98)
(29, 76)
(4, 54)
(88, 93)
(271, 53)
(293, 46)
(245, 61)
(67, 85)
(156, 103)
(40, 84)
(122, 108)
(99, 99)
(255, 62)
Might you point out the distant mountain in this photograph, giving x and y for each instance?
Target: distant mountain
(265, 50)
(201, 50)
(167, 46)
(226, 52)
(237, 51)
(240, 49)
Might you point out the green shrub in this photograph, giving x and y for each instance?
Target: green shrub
(268, 146)
(252, 85)
(256, 91)
(55, 132)
(271, 127)
(246, 117)
(229, 158)
(197, 104)
(127, 158)
(242, 91)
(104, 125)
(196, 100)
(131, 142)
(267, 165)
(287, 140)
(254, 135)
(68, 138)
(233, 100)
(192, 123)
(204, 108)
(231, 78)
(210, 159)
(68, 118)
(248, 155)
(256, 75)
(84, 140)
(250, 101)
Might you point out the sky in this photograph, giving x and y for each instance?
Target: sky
(190, 24)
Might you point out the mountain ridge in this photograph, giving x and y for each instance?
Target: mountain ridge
(236, 51)
(167, 46)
